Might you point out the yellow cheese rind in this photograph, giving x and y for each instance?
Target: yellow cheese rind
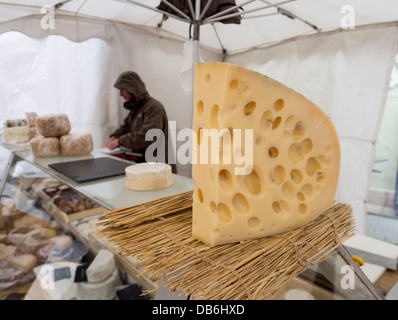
(295, 157)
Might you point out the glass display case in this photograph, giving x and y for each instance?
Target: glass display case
(28, 189)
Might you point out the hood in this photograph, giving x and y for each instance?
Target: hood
(132, 83)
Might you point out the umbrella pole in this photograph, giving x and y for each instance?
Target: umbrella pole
(195, 58)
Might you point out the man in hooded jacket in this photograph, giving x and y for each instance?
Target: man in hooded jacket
(145, 113)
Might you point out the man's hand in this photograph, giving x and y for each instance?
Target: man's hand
(112, 143)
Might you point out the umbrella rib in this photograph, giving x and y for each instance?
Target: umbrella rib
(218, 37)
(227, 10)
(218, 18)
(154, 9)
(205, 9)
(191, 8)
(261, 15)
(176, 9)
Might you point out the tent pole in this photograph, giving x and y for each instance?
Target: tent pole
(195, 58)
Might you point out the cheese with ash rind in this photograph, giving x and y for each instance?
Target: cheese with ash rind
(45, 147)
(148, 176)
(101, 267)
(273, 165)
(53, 125)
(76, 144)
(16, 134)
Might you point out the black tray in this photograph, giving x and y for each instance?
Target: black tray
(91, 169)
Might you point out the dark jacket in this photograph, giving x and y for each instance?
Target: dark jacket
(145, 113)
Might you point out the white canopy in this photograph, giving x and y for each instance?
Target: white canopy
(336, 54)
(263, 22)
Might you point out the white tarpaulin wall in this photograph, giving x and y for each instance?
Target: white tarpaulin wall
(346, 73)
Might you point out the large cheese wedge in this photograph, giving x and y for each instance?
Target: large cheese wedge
(278, 156)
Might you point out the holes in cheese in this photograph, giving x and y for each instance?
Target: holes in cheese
(240, 203)
(249, 108)
(291, 163)
(273, 152)
(296, 176)
(199, 108)
(225, 180)
(279, 104)
(252, 182)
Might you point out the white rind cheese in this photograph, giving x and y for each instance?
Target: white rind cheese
(148, 176)
(101, 267)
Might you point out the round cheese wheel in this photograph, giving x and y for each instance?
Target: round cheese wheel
(148, 176)
(76, 144)
(45, 147)
(53, 125)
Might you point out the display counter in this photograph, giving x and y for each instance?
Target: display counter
(322, 281)
(111, 193)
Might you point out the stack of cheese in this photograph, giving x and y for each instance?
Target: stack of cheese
(56, 138)
(102, 278)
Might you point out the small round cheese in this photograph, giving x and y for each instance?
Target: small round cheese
(45, 147)
(53, 125)
(148, 176)
(76, 144)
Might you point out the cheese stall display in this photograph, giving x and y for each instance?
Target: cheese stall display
(293, 154)
(266, 165)
(258, 212)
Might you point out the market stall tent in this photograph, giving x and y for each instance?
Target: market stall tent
(65, 56)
